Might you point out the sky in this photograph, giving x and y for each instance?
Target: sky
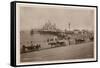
(37, 16)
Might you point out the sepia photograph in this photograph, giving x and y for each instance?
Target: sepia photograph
(50, 33)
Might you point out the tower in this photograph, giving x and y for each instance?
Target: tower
(69, 26)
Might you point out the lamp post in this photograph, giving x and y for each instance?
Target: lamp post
(69, 32)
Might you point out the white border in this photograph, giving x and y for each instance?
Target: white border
(18, 5)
